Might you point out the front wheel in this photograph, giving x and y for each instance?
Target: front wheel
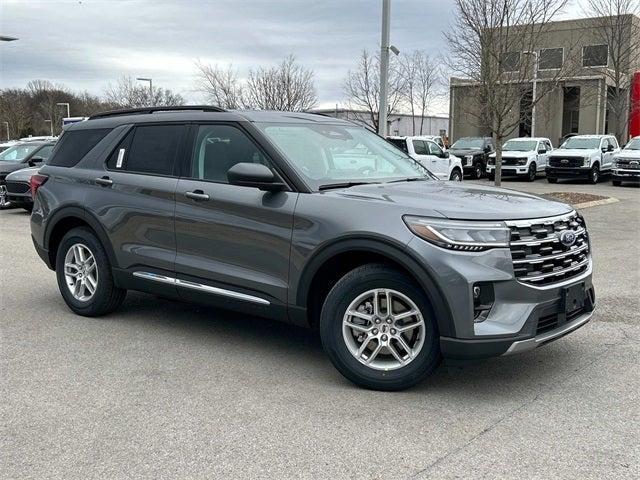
(531, 173)
(378, 330)
(456, 176)
(552, 180)
(594, 174)
(84, 275)
(477, 171)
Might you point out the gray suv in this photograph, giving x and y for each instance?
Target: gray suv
(314, 221)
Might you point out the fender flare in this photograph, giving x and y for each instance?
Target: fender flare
(391, 249)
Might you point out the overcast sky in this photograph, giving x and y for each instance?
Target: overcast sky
(88, 43)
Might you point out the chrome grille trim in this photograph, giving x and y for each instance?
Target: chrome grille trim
(583, 247)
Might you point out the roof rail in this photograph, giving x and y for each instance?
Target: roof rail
(147, 110)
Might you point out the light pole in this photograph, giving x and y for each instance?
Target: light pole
(6, 124)
(67, 105)
(143, 79)
(384, 68)
(50, 125)
(533, 94)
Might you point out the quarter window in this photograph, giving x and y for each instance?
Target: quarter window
(148, 149)
(74, 145)
(551, 58)
(595, 56)
(218, 148)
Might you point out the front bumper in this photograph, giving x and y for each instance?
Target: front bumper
(568, 172)
(509, 169)
(625, 175)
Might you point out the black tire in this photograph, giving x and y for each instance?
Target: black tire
(552, 180)
(456, 176)
(348, 288)
(616, 183)
(491, 176)
(107, 296)
(594, 174)
(531, 174)
(477, 171)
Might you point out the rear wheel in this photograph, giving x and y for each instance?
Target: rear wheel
(84, 275)
(456, 176)
(378, 330)
(594, 174)
(491, 176)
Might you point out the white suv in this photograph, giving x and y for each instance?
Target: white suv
(522, 156)
(429, 154)
(626, 163)
(583, 156)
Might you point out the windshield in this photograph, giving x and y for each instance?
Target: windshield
(468, 143)
(582, 143)
(18, 153)
(633, 144)
(330, 154)
(519, 145)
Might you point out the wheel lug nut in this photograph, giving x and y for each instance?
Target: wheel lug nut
(375, 331)
(384, 338)
(393, 331)
(377, 320)
(389, 320)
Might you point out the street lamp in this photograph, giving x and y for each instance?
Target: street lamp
(51, 125)
(385, 48)
(6, 124)
(533, 94)
(67, 105)
(143, 79)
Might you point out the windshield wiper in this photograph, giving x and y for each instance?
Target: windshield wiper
(329, 186)
(409, 179)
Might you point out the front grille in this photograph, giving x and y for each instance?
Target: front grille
(538, 255)
(566, 161)
(17, 187)
(509, 161)
(628, 163)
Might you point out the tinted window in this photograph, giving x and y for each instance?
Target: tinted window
(550, 58)
(218, 148)
(401, 143)
(74, 145)
(420, 148)
(595, 56)
(147, 149)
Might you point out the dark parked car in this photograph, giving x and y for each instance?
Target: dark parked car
(18, 188)
(265, 213)
(474, 153)
(19, 156)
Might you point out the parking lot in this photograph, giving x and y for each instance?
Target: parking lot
(169, 390)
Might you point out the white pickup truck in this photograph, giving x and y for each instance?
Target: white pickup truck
(626, 163)
(523, 157)
(429, 154)
(583, 156)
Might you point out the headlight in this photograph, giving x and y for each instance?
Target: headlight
(460, 234)
(522, 161)
(587, 161)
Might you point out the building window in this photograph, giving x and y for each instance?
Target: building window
(551, 58)
(511, 62)
(595, 56)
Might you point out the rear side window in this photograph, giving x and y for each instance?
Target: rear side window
(74, 145)
(148, 149)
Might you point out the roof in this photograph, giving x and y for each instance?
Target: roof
(199, 113)
(593, 136)
(524, 139)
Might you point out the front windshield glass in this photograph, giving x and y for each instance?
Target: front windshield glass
(332, 154)
(468, 143)
(519, 145)
(17, 153)
(633, 144)
(581, 143)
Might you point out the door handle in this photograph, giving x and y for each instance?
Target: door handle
(104, 181)
(197, 195)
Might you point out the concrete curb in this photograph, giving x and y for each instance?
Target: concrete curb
(595, 203)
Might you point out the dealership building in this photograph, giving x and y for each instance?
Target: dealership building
(579, 102)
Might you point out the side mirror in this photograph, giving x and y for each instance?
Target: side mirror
(610, 148)
(254, 175)
(445, 154)
(33, 161)
(487, 149)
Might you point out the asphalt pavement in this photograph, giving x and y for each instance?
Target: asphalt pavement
(170, 390)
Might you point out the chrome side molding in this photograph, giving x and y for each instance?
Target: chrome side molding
(199, 286)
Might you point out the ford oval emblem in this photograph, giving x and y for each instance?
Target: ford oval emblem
(568, 238)
(564, 160)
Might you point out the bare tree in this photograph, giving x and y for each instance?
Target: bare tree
(126, 93)
(613, 26)
(221, 86)
(492, 57)
(420, 77)
(362, 87)
(288, 86)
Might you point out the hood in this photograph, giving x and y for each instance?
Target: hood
(514, 154)
(456, 200)
(573, 152)
(8, 167)
(465, 151)
(635, 154)
(22, 175)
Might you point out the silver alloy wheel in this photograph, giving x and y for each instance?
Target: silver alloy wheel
(80, 272)
(3, 197)
(383, 329)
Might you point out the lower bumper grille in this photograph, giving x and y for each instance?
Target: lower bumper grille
(543, 254)
(17, 187)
